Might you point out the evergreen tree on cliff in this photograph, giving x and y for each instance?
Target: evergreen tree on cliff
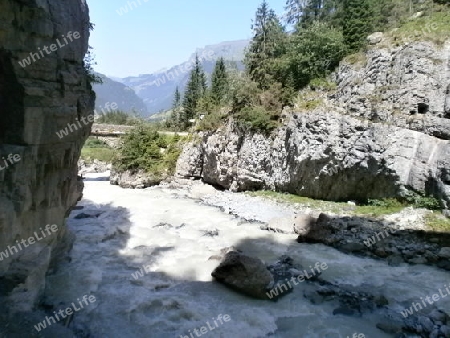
(176, 99)
(294, 11)
(268, 44)
(195, 90)
(321, 10)
(312, 11)
(175, 116)
(357, 22)
(219, 82)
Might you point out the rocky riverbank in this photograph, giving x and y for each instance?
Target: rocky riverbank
(402, 239)
(159, 246)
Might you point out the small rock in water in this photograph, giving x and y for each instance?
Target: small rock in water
(437, 316)
(163, 225)
(344, 311)
(444, 253)
(211, 233)
(83, 215)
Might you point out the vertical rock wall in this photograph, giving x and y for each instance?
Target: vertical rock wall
(38, 181)
(384, 132)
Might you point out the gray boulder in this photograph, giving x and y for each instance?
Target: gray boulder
(245, 274)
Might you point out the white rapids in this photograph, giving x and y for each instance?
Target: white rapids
(146, 260)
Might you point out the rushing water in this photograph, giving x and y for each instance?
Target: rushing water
(164, 231)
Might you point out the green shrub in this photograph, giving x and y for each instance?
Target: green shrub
(427, 202)
(385, 203)
(93, 142)
(144, 148)
(419, 201)
(410, 199)
(245, 93)
(171, 155)
(256, 119)
(211, 122)
(315, 52)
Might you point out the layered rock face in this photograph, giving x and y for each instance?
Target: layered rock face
(383, 132)
(37, 100)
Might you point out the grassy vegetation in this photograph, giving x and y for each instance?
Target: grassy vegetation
(145, 149)
(211, 122)
(435, 28)
(322, 84)
(95, 149)
(101, 154)
(374, 208)
(256, 118)
(308, 99)
(118, 117)
(380, 207)
(357, 59)
(437, 222)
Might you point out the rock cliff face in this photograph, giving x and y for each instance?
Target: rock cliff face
(38, 181)
(384, 131)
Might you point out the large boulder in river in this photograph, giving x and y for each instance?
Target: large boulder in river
(316, 232)
(304, 223)
(245, 274)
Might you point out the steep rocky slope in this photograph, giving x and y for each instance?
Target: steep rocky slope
(384, 131)
(110, 91)
(36, 101)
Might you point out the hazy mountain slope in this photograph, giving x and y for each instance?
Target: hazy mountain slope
(124, 96)
(157, 89)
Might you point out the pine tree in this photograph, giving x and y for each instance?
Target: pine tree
(176, 99)
(195, 90)
(175, 115)
(219, 82)
(357, 22)
(294, 11)
(268, 43)
(321, 10)
(312, 11)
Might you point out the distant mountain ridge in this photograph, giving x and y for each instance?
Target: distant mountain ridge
(115, 92)
(157, 89)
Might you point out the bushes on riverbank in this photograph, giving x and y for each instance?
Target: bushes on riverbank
(143, 148)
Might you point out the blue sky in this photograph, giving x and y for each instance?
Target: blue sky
(164, 33)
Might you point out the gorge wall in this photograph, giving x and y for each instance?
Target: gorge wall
(37, 100)
(383, 132)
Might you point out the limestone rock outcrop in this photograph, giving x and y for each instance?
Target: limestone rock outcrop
(37, 100)
(383, 132)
